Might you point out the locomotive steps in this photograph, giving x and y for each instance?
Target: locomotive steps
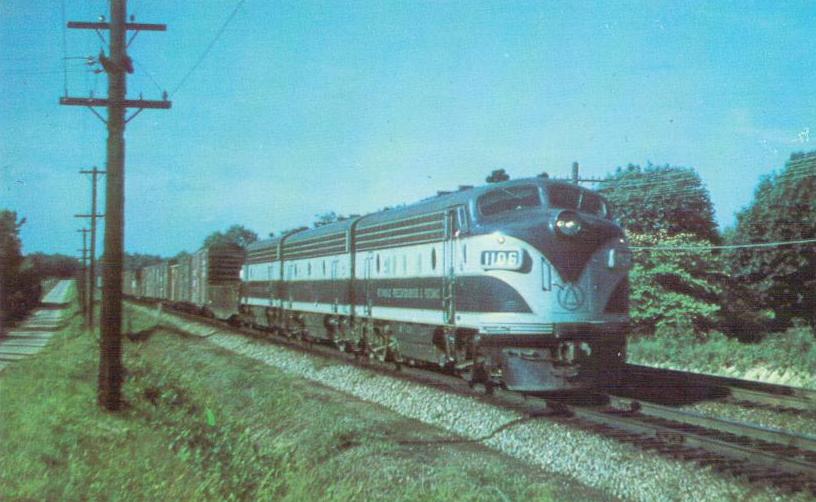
(607, 464)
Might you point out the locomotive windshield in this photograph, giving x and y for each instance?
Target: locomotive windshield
(509, 199)
(570, 197)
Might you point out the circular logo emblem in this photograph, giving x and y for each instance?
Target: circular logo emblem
(571, 297)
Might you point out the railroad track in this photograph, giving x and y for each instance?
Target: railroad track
(743, 392)
(754, 454)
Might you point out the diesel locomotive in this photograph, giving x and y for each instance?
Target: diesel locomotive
(521, 284)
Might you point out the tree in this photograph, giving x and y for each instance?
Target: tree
(497, 176)
(11, 256)
(19, 289)
(137, 261)
(236, 234)
(783, 209)
(327, 218)
(54, 265)
(661, 199)
(672, 289)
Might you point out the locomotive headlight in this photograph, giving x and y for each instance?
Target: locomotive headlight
(568, 224)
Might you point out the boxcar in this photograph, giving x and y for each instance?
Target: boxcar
(156, 281)
(131, 280)
(181, 279)
(215, 276)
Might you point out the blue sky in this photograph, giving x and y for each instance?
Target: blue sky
(307, 107)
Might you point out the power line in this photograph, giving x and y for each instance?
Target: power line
(209, 47)
(729, 246)
(64, 53)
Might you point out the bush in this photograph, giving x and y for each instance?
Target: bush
(673, 290)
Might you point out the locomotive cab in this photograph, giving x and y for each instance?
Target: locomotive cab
(556, 244)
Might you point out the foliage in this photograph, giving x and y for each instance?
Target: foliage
(19, 289)
(215, 426)
(673, 290)
(236, 234)
(497, 176)
(665, 199)
(327, 218)
(52, 265)
(791, 351)
(11, 256)
(783, 209)
(137, 261)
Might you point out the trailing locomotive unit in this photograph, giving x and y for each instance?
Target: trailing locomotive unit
(521, 284)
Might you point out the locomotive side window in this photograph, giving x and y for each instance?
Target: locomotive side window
(508, 199)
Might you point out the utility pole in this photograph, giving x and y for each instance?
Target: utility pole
(84, 282)
(116, 66)
(577, 179)
(92, 264)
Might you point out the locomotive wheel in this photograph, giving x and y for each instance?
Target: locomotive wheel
(384, 347)
(478, 374)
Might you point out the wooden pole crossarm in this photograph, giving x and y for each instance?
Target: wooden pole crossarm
(126, 103)
(84, 25)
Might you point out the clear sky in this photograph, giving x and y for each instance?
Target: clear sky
(307, 107)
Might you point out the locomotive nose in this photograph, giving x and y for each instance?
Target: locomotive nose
(566, 238)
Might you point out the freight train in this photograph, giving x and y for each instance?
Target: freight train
(521, 284)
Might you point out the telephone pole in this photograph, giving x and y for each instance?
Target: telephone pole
(92, 263)
(117, 65)
(577, 179)
(84, 282)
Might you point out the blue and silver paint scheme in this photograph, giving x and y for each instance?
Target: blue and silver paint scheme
(533, 270)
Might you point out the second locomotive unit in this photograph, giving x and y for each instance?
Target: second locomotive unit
(521, 284)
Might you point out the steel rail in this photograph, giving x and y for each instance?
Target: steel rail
(633, 423)
(650, 427)
(763, 393)
(773, 436)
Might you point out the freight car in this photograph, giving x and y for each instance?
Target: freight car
(208, 282)
(521, 284)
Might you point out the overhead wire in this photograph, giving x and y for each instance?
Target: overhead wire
(149, 75)
(209, 47)
(64, 52)
(751, 245)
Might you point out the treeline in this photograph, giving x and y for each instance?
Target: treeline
(20, 276)
(689, 276)
(745, 281)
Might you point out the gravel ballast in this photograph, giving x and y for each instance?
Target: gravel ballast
(616, 468)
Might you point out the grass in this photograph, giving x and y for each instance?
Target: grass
(204, 424)
(791, 353)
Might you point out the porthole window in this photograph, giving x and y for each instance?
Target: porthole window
(433, 259)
